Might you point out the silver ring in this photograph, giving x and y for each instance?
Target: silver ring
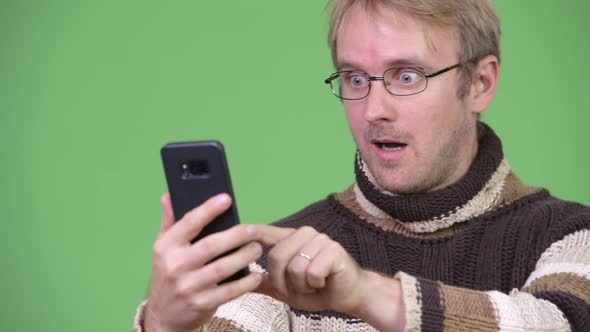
(305, 256)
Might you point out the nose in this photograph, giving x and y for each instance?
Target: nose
(380, 105)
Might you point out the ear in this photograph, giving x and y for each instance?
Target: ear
(483, 83)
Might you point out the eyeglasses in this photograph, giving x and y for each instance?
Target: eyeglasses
(399, 81)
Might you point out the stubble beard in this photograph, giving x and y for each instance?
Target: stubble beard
(433, 174)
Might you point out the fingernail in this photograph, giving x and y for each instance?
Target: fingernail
(251, 230)
(164, 198)
(258, 276)
(223, 199)
(257, 249)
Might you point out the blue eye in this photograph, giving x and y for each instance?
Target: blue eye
(357, 81)
(408, 77)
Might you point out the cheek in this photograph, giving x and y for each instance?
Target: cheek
(436, 126)
(425, 122)
(356, 122)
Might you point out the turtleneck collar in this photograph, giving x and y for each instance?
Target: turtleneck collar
(475, 193)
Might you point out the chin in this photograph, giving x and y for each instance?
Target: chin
(391, 184)
(397, 185)
(398, 188)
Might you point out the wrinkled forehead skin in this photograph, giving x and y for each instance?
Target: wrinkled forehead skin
(432, 33)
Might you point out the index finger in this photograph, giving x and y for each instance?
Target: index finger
(269, 235)
(192, 223)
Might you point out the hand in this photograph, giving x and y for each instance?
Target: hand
(310, 271)
(184, 293)
(328, 278)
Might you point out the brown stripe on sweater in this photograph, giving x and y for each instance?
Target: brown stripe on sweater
(433, 310)
(468, 310)
(570, 283)
(514, 189)
(222, 324)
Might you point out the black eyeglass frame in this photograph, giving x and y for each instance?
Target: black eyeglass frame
(382, 78)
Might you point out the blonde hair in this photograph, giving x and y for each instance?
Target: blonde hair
(474, 23)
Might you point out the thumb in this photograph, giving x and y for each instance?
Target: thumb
(167, 214)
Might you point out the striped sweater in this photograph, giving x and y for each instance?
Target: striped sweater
(488, 253)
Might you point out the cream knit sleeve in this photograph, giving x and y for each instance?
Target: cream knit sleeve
(251, 312)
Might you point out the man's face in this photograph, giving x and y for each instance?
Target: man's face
(414, 143)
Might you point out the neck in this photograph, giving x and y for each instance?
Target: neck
(477, 186)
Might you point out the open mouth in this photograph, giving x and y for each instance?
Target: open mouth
(390, 146)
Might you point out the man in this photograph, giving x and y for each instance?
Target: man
(437, 233)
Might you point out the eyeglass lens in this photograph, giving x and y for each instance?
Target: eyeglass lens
(400, 81)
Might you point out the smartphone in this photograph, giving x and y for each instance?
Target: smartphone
(195, 171)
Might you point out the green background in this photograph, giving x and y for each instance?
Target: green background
(90, 90)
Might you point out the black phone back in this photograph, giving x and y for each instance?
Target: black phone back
(195, 171)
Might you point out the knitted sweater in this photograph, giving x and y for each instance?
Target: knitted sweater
(485, 254)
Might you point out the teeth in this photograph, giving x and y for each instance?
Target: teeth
(391, 146)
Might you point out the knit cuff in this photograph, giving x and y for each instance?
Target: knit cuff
(412, 301)
(139, 319)
(433, 306)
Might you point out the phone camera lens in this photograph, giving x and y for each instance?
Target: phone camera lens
(194, 168)
(198, 168)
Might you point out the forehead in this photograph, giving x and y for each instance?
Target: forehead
(373, 38)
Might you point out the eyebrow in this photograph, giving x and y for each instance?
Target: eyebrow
(390, 64)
